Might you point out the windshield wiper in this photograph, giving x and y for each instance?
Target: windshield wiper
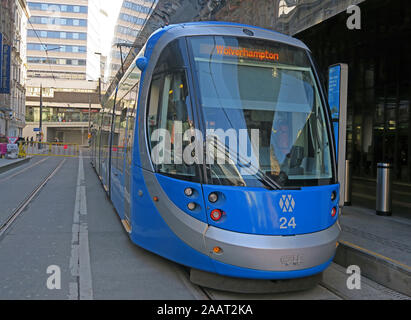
(260, 175)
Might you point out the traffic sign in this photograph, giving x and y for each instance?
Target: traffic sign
(12, 140)
(36, 129)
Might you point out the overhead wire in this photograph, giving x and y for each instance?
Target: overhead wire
(45, 49)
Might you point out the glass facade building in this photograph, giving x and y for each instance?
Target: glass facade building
(379, 116)
(131, 19)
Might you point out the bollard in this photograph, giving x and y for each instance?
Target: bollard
(384, 199)
(347, 186)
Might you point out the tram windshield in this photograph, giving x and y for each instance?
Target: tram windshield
(262, 111)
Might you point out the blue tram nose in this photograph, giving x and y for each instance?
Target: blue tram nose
(273, 212)
(256, 210)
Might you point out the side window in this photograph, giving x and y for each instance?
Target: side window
(168, 119)
(152, 115)
(129, 139)
(169, 114)
(116, 144)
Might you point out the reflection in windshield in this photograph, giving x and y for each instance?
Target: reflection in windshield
(252, 85)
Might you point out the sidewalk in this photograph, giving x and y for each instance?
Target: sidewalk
(7, 164)
(364, 195)
(380, 246)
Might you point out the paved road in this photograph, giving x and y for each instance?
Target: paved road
(71, 226)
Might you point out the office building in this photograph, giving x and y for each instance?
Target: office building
(13, 66)
(64, 60)
(130, 21)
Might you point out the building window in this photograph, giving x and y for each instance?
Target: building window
(58, 21)
(57, 7)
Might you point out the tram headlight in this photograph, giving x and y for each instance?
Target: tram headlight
(191, 206)
(213, 197)
(333, 195)
(188, 192)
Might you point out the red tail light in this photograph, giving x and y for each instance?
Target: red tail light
(216, 214)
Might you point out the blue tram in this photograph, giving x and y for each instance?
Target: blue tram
(217, 151)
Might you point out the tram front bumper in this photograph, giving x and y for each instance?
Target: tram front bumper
(273, 253)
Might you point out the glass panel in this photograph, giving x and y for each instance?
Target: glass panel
(248, 85)
(167, 113)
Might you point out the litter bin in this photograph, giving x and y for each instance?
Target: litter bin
(347, 186)
(384, 189)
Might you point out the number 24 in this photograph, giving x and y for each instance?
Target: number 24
(286, 224)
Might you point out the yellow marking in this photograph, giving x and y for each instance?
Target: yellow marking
(126, 225)
(375, 254)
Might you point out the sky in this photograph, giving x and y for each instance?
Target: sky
(112, 9)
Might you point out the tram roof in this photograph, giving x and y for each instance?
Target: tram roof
(170, 32)
(223, 28)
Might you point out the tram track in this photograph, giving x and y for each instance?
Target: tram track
(4, 227)
(333, 291)
(23, 170)
(198, 292)
(332, 286)
(272, 296)
(202, 293)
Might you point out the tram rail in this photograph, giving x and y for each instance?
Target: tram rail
(5, 226)
(23, 170)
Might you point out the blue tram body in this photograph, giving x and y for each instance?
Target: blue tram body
(278, 219)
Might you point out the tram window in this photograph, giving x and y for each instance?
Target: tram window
(115, 149)
(270, 88)
(153, 106)
(167, 114)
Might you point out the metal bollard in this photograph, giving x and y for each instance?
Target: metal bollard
(347, 186)
(384, 189)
